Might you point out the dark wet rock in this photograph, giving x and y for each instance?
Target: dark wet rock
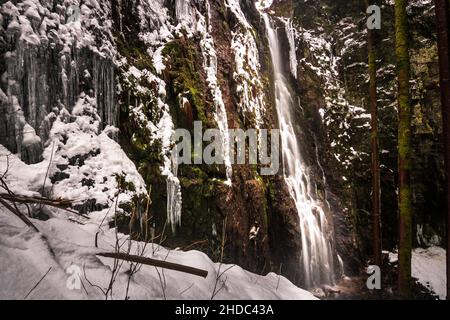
(31, 153)
(62, 167)
(87, 182)
(89, 206)
(79, 160)
(59, 176)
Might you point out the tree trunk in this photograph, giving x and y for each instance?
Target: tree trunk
(376, 229)
(404, 149)
(443, 26)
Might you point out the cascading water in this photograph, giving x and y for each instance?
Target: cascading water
(316, 256)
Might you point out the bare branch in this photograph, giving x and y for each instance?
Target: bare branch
(48, 169)
(35, 286)
(187, 289)
(19, 214)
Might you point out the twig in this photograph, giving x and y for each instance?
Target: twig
(218, 278)
(5, 186)
(135, 267)
(185, 290)
(19, 214)
(279, 276)
(84, 288)
(7, 164)
(29, 292)
(222, 245)
(218, 273)
(48, 169)
(90, 283)
(76, 221)
(96, 239)
(163, 285)
(116, 267)
(193, 244)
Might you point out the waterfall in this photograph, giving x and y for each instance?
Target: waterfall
(316, 255)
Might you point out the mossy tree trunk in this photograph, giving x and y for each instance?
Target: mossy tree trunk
(376, 229)
(443, 26)
(404, 149)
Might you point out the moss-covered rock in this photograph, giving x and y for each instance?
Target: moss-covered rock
(186, 79)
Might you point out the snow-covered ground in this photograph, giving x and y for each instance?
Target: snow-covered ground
(68, 248)
(428, 266)
(65, 248)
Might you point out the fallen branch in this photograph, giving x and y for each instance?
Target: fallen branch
(60, 203)
(156, 263)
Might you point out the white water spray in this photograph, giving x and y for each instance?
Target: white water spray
(317, 258)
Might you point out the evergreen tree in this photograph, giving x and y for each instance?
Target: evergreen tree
(376, 229)
(443, 26)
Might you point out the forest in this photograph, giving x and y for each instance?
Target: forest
(224, 150)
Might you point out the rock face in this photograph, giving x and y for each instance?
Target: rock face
(47, 64)
(333, 80)
(150, 66)
(427, 156)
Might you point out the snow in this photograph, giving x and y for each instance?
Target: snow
(158, 60)
(338, 110)
(263, 4)
(235, 7)
(65, 247)
(247, 69)
(69, 140)
(29, 136)
(210, 66)
(156, 30)
(185, 13)
(429, 267)
(22, 181)
(37, 22)
(291, 35)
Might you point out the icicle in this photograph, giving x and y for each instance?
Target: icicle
(103, 83)
(247, 66)
(156, 31)
(164, 133)
(173, 196)
(185, 13)
(290, 33)
(210, 65)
